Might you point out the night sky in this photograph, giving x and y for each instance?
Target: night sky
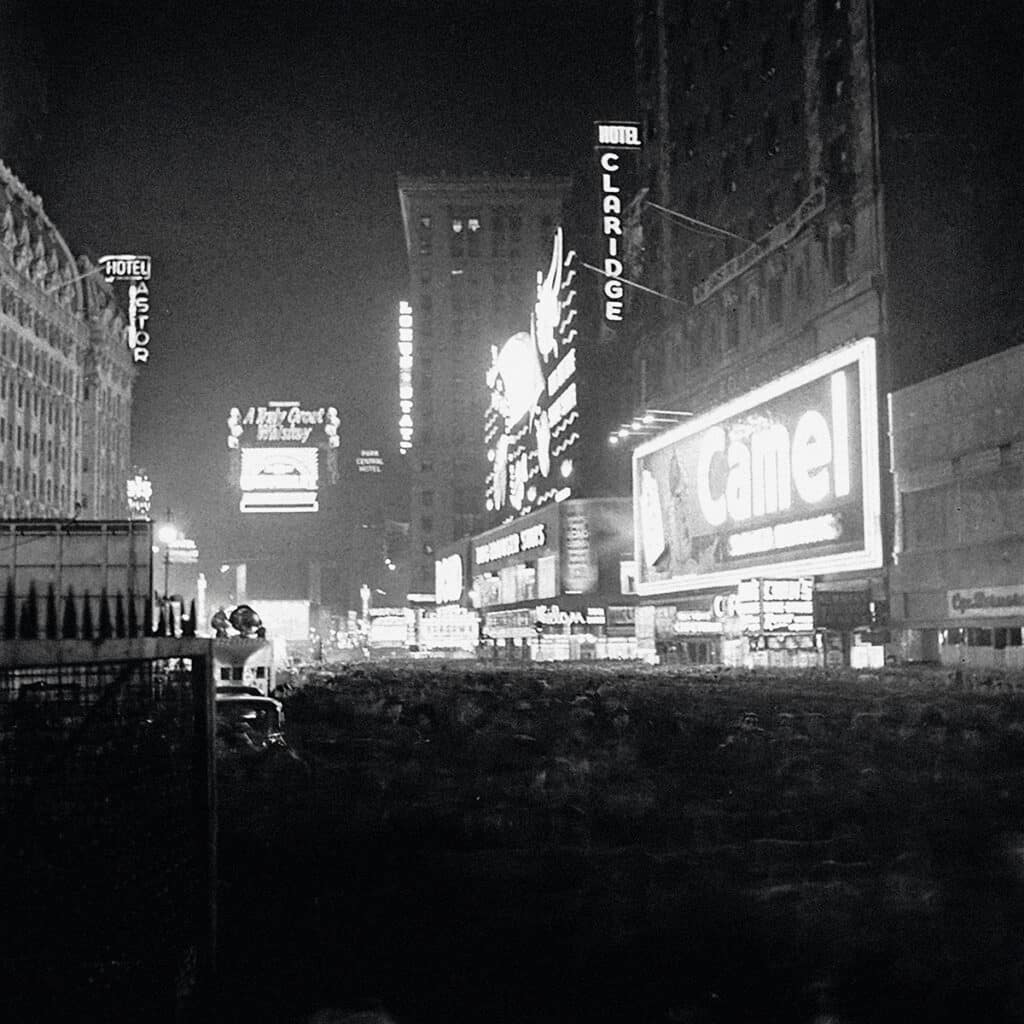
(252, 151)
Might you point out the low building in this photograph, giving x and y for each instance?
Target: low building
(553, 585)
(957, 580)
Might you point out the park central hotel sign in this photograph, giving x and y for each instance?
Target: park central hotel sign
(783, 481)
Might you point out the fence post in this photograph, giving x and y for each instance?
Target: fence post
(205, 799)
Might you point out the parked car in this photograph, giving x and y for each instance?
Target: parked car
(248, 723)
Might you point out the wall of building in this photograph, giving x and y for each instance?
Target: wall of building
(474, 248)
(958, 463)
(758, 120)
(65, 373)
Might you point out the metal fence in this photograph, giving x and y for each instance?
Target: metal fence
(107, 850)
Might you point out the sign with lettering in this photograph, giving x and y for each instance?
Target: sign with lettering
(986, 602)
(283, 423)
(526, 539)
(369, 460)
(777, 606)
(781, 481)
(778, 236)
(611, 138)
(579, 563)
(405, 349)
(136, 270)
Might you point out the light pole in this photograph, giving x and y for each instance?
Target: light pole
(167, 535)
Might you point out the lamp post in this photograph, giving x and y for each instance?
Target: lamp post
(167, 535)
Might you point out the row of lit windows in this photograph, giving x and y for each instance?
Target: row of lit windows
(465, 231)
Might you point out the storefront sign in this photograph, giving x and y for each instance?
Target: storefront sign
(785, 478)
(580, 567)
(552, 615)
(987, 602)
(777, 605)
(527, 539)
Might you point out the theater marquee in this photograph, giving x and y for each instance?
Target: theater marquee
(783, 481)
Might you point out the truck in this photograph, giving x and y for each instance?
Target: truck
(93, 557)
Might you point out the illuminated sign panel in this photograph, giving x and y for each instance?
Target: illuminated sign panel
(405, 348)
(140, 496)
(610, 138)
(136, 270)
(777, 606)
(279, 444)
(782, 481)
(279, 480)
(369, 460)
(530, 426)
(448, 579)
(527, 539)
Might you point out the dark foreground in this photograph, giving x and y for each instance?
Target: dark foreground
(609, 844)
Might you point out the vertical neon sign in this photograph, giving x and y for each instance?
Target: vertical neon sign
(405, 343)
(612, 138)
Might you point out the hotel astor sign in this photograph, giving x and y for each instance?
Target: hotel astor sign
(781, 482)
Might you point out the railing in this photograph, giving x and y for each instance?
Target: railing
(108, 842)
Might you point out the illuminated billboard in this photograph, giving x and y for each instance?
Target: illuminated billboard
(279, 480)
(530, 426)
(277, 449)
(783, 481)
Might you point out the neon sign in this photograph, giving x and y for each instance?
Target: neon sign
(283, 423)
(784, 479)
(136, 270)
(619, 136)
(530, 423)
(405, 345)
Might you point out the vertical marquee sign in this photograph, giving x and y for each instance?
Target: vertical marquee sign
(612, 140)
(135, 270)
(405, 342)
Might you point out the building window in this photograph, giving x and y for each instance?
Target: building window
(427, 498)
(838, 259)
(426, 524)
(732, 327)
(771, 134)
(768, 58)
(775, 301)
(754, 307)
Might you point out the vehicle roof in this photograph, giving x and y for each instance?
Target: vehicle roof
(246, 698)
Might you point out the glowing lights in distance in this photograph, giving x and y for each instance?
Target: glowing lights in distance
(405, 392)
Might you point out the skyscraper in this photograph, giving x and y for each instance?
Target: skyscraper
(474, 248)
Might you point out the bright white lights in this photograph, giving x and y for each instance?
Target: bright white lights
(167, 533)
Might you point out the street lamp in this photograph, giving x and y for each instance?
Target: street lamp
(167, 534)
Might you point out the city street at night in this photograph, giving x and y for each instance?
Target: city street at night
(478, 843)
(511, 511)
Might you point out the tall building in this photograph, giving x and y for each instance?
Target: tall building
(474, 248)
(816, 171)
(810, 178)
(66, 374)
